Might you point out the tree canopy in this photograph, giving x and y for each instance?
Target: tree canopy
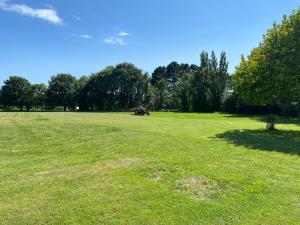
(173, 87)
(61, 90)
(16, 91)
(270, 75)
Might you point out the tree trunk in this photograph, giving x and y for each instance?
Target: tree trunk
(271, 126)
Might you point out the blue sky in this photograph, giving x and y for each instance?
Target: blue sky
(42, 38)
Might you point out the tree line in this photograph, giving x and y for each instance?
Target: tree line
(174, 87)
(267, 81)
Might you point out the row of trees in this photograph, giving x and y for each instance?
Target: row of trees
(120, 87)
(189, 87)
(177, 86)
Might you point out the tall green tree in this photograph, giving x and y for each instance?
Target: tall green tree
(177, 77)
(200, 85)
(183, 92)
(270, 75)
(81, 94)
(147, 91)
(39, 97)
(159, 94)
(99, 90)
(158, 74)
(217, 79)
(210, 82)
(173, 74)
(120, 87)
(17, 91)
(199, 93)
(61, 90)
(128, 85)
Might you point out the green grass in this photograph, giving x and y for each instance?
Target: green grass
(169, 168)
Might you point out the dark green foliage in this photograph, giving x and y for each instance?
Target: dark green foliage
(271, 73)
(209, 83)
(172, 86)
(61, 90)
(217, 77)
(159, 95)
(158, 74)
(16, 91)
(81, 94)
(183, 91)
(99, 94)
(120, 87)
(199, 93)
(173, 73)
(39, 95)
(128, 85)
(147, 91)
(230, 104)
(181, 87)
(272, 118)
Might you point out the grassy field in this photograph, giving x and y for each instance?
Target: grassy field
(169, 168)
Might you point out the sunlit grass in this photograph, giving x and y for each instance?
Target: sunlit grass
(168, 168)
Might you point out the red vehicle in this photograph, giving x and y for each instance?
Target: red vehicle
(141, 111)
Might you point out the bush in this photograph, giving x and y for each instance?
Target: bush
(290, 110)
(229, 105)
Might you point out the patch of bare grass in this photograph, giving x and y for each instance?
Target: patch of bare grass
(199, 188)
(77, 171)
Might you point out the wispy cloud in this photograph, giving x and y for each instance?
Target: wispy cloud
(123, 34)
(76, 17)
(115, 41)
(48, 14)
(84, 36)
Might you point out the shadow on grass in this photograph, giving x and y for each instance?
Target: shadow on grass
(280, 141)
(262, 118)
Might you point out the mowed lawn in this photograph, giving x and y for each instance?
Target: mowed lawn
(168, 168)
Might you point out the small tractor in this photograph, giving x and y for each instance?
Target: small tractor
(141, 111)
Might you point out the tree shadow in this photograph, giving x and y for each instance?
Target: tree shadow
(285, 141)
(262, 118)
